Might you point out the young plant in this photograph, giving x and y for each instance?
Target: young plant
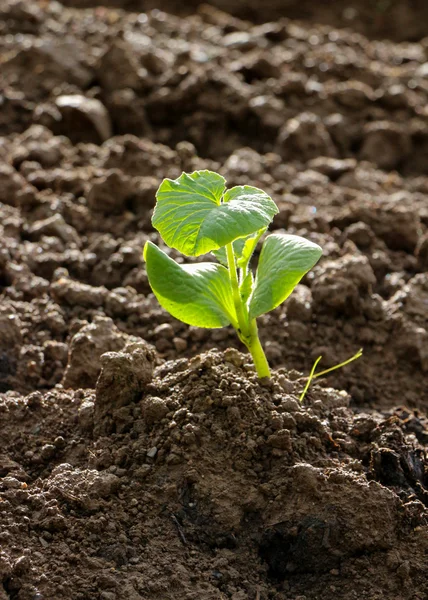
(196, 214)
(314, 375)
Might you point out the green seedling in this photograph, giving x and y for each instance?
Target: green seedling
(196, 215)
(313, 375)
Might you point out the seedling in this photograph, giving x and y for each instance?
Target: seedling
(313, 375)
(196, 214)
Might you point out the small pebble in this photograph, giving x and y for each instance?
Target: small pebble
(151, 453)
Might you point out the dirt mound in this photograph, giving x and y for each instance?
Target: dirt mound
(141, 458)
(208, 485)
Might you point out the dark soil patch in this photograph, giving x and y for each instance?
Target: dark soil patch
(195, 481)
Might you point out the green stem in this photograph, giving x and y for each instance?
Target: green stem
(342, 364)
(247, 331)
(311, 376)
(240, 313)
(257, 352)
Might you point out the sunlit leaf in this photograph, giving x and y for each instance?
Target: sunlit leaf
(195, 215)
(197, 294)
(284, 260)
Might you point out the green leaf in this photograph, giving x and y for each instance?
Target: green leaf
(193, 216)
(284, 260)
(248, 248)
(198, 294)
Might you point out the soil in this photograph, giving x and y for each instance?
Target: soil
(141, 458)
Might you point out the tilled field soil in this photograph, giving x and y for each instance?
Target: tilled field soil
(175, 474)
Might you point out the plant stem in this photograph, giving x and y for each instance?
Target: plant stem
(240, 313)
(257, 352)
(342, 364)
(311, 376)
(247, 331)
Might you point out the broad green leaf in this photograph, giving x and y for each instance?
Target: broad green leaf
(284, 260)
(198, 294)
(195, 216)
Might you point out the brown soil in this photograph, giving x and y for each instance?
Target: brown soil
(141, 458)
(401, 20)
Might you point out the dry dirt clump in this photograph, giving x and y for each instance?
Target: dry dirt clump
(216, 487)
